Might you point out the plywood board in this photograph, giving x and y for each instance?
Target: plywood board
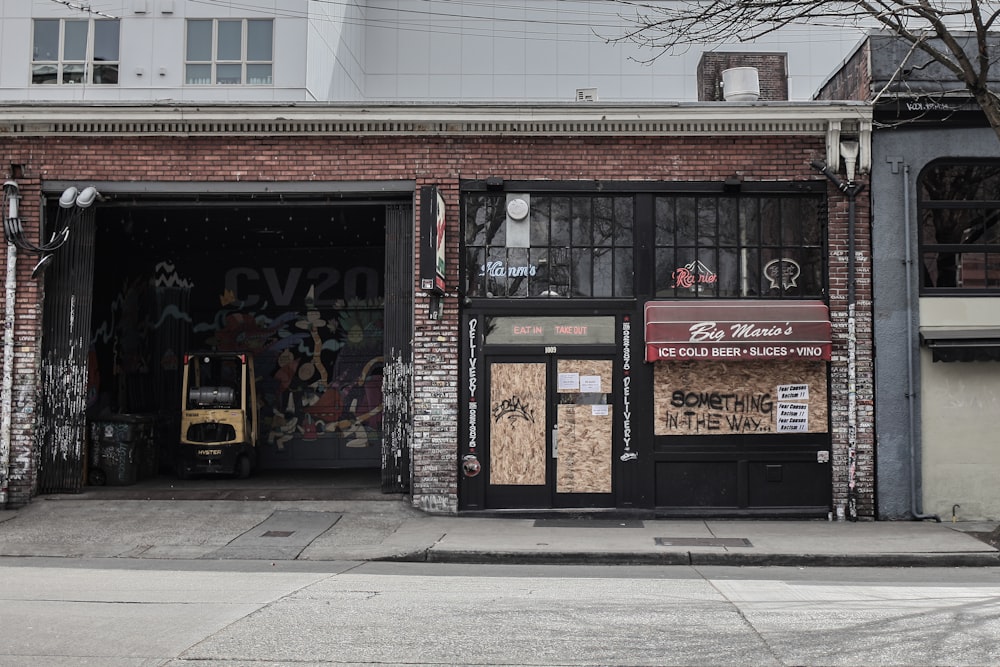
(517, 424)
(584, 463)
(720, 398)
(585, 419)
(586, 368)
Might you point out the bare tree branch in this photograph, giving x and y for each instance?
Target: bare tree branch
(955, 34)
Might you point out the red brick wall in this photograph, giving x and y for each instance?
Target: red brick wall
(27, 321)
(772, 72)
(853, 81)
(443, 161)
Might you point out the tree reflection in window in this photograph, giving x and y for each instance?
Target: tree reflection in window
(743, 246)
(580, 247)
(959, 213)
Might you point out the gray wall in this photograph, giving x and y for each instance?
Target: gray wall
(892, 151)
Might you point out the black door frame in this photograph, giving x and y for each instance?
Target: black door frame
(546, 496)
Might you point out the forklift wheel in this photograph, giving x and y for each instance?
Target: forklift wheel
(243, 467)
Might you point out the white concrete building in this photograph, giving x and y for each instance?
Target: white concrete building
(357, 50)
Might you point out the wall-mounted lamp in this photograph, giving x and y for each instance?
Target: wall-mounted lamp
(68, 197)
(72, 203)
(87, 198)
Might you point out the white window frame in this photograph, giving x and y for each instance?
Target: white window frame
(61, 62)
(244, 62)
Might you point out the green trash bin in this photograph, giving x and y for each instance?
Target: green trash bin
(122, 450)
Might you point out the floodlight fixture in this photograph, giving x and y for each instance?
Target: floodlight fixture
(87, 198)
(68, 197)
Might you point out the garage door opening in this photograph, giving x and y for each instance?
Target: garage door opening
(300, 285)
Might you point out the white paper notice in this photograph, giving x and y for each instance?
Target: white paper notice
(569, 382)
(793, 392)
(599, 410)
(793, 417)
(590, 384)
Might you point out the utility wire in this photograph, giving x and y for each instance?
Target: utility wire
(83, 8)
(458, 23)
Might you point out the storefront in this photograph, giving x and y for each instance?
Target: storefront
(506, 320)
(665, 348)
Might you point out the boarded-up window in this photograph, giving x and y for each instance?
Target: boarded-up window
(517, 424)
(584, 414)
(719, 398)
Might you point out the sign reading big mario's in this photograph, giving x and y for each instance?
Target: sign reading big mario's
(737, 331)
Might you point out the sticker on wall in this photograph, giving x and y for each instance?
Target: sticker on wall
(793, 392)
(793, 418)
(783, 272)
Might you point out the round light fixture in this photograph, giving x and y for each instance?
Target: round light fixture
(517, 209)
(68, 197)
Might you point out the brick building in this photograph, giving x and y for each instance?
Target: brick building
(175, 175)
(531, 305)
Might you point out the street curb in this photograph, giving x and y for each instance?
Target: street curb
(985, 559)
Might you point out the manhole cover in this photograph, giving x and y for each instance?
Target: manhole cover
(278, 533)
(587, 523)
(703, 542)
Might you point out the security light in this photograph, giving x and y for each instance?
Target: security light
(87, 197)
(68, 197)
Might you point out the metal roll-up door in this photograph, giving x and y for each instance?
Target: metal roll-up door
(397, 384)
(65, 349)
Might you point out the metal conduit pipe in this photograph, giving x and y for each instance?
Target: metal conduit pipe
(7, 405)
(915, 509)
(851, 189)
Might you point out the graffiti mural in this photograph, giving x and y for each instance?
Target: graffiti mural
(313, 321)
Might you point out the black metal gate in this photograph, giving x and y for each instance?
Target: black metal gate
(397, 382)
(65, 348)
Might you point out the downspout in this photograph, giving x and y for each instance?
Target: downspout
(6, 407)
(910, 389)
(851, 189)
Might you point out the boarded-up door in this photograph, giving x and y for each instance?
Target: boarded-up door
(550, 433)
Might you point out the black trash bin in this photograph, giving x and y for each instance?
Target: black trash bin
(122, 450)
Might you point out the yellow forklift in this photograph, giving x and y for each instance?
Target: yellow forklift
(219, 423)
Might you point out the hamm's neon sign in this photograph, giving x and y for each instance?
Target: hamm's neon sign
(737, 330)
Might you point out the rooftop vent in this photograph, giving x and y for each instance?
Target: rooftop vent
(586, 94)
(741, 84)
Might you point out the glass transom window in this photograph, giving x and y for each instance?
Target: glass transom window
(229, 52)
(959, 218)
(74, 51)
(548, 246)
(746, 246)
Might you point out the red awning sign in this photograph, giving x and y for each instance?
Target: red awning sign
(737, 330)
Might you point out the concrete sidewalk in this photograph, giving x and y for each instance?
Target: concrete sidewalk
(389, 528)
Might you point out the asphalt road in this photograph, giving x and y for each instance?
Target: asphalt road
(117, 612)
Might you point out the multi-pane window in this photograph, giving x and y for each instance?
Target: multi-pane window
(74, 51)
(739, 246)
(576, 246)
(959, 213)
(229, 51)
